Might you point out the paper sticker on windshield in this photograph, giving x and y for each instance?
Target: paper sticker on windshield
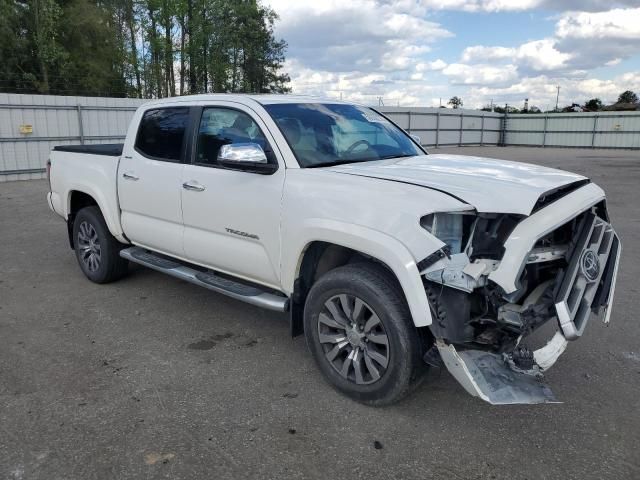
(373, 117)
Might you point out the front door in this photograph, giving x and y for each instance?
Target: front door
(150, 181)
(232, 218)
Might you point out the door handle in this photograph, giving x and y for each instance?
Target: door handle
(130, 176)
(194, 187)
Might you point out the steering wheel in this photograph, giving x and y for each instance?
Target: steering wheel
(357, 144)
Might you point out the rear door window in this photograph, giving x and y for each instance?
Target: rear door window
(161, 133)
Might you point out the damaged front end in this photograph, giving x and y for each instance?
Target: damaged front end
(502, 279)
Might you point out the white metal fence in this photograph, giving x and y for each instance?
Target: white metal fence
(440, 127)
(590, 130)
(30, 125)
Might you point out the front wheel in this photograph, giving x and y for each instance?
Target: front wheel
(97, 251)
(360, 333)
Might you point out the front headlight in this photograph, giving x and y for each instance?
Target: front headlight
(448, 227)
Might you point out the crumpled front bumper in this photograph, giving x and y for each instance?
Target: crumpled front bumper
(588, 286)
(489, 377)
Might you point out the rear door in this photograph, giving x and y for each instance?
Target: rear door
(149, 181)
(232, 217)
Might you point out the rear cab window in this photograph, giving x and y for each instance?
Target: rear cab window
(161, 133)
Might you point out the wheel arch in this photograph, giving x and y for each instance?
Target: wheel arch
(333, 247)
(79, 198)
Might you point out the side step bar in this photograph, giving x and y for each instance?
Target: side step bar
(207, 279)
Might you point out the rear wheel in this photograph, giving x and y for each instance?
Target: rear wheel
(97, 251)
(359, 330)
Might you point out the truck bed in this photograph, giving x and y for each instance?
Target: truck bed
(110, 149)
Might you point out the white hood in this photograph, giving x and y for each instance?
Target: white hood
(489, 185)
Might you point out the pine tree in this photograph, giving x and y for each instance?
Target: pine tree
(139, 48)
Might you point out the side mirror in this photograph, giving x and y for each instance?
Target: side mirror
(247, 157)
(417, 139)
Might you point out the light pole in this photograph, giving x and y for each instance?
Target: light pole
(557, 97)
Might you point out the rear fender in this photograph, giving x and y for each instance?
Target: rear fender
(109, 209)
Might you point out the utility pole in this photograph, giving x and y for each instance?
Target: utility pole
(557, 97)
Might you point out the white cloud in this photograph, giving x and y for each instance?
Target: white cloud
(582, 41)
(461, 74)
(356, 35)
(622, 24)
(482, 53)
(362, 88)
(436, 65)
(538, 55)
(542, 55)
(523, 5)
(481, 5)
(396, 49)
(541, 91)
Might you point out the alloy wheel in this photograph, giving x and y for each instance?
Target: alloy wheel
(89, 246)
(353, 339)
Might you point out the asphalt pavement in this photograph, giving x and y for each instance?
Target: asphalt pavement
(151, 377)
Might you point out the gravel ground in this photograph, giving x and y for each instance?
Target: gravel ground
(151, 377)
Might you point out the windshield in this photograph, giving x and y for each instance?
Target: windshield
(322, 134)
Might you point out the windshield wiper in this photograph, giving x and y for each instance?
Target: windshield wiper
(387, 157)
(344, 162)
(334, 163)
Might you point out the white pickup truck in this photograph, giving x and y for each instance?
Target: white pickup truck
(386, 258)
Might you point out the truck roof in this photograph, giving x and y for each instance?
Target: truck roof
(261, 98)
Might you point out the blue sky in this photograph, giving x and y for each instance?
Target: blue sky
(414, 52)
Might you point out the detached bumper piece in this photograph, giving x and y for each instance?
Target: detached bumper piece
(589, 280)
(489, 377)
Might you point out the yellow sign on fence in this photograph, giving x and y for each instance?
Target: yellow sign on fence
(26, 128)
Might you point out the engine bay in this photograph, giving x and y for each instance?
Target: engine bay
(471, 311)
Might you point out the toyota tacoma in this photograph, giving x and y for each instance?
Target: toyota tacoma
(387, 259)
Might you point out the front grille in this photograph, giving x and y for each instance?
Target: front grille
(595, 252)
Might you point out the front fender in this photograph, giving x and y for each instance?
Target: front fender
(376, 244)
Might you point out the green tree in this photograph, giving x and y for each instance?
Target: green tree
(45, 16)
(628, 97)
(95, 54)
(13, 47)
(594, 105)
(139, 48)
(506, 109)
(455, 102)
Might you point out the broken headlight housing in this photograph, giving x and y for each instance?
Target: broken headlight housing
(480, 235)
(452, 228)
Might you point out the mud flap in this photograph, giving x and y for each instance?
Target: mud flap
(487, 376)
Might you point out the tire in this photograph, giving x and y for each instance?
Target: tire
(97, 251)
(378, 294)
